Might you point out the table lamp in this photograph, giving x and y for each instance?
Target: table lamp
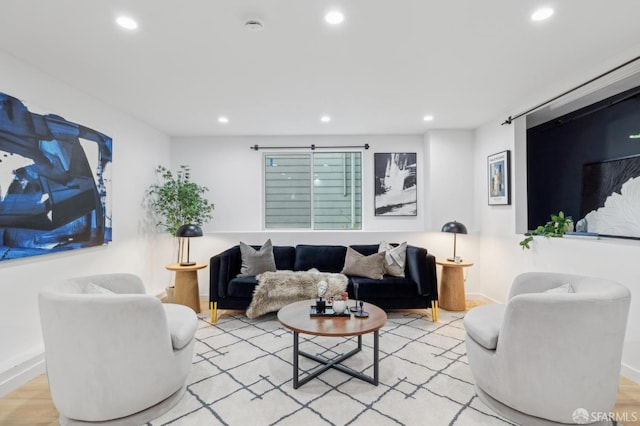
(185, 232)
(456, 228)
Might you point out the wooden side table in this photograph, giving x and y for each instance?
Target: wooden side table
(452, 296)
(186, 286)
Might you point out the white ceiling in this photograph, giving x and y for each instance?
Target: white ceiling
(389, 64)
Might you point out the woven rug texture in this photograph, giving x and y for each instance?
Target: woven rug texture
(242, 375)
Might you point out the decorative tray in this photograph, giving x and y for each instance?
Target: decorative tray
(329, 312)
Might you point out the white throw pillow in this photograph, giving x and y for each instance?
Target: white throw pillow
(96, 289)
(564, 288)
(395, 258)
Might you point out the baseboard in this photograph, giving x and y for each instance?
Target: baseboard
(630, 373)
(21, 373)
(480, 296)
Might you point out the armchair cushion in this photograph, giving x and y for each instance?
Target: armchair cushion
(483, 324)
(182, 324)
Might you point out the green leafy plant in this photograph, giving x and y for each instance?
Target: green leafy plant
(178, 200)
(556, 227)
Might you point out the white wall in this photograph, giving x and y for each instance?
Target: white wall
(137, 149)
(233, 174)
(451, 166)
(500, 258)
(452, 196)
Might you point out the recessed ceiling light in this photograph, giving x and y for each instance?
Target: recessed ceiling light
(428, 118)
(254, 24)
(334, 17)
(325, 119)
(223, 119)
(542, 14)
(127, 22)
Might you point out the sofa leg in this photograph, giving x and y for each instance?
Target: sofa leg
(213, 307)
(434, 310)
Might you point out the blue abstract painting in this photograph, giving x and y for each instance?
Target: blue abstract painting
(55, 183)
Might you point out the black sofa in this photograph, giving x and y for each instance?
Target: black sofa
(417, 290)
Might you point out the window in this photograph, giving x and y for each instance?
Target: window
(313, 191)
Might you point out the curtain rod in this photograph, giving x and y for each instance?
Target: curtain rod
(311, 147)
(510, 119)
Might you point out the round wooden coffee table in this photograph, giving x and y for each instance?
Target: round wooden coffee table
(297, 318)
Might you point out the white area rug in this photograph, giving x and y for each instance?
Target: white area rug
(242, 375)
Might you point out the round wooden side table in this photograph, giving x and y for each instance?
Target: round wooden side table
(451, 296)
(186, 286)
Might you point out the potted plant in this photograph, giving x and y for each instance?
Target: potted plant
(556, 227)
(178, 201)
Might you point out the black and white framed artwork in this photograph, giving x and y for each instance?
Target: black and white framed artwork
(395, 184)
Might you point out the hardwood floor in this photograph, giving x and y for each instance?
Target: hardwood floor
(628, 402)
(31, 404)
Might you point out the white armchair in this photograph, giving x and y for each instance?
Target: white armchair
(112, 352)
(554, 348)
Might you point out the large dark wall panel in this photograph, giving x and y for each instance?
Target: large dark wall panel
(558, 150)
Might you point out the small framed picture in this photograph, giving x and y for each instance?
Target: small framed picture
(499, 178)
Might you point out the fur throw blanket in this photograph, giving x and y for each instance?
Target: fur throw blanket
(280, 288)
